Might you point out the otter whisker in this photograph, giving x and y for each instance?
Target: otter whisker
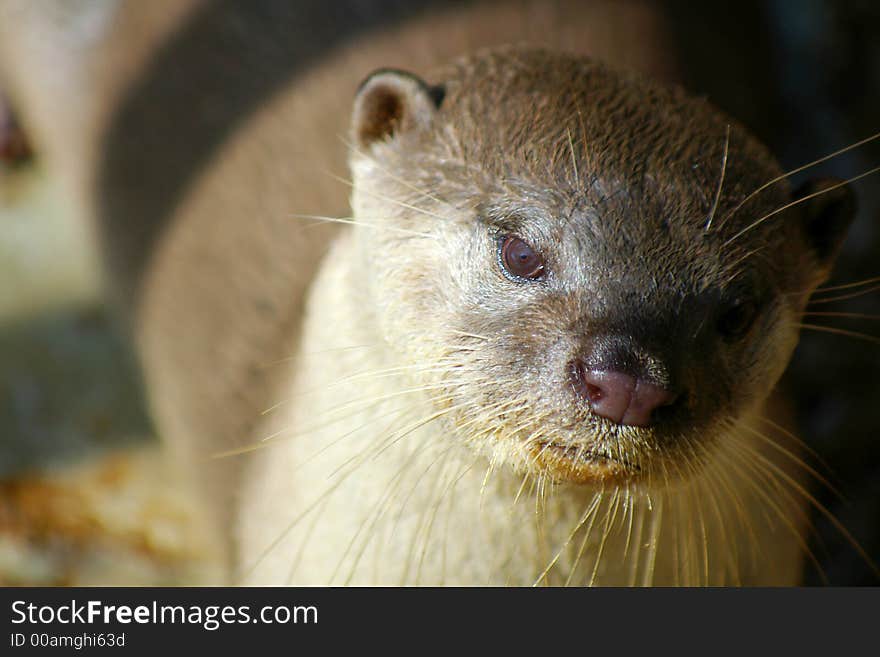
(417, 486)
(247, 449)
(386, 171)
(628, 513)
(306, 539)
(469, 335)
(441, 460)
(770, 502)
(843, 315)
(438, 367)
(695, 475)
(732, 550)
(610, 516)
(450, 510)
(839, 331)
(434, 508)
(636, 556)
(574, 165)
(788, 174)
(588, 511)
(359, 406)
(490, 412)
(781, 489)
(546, 448)
(735, 273)
(830, 188)
(360, 458)
(720, 180)
(525, 480)
(317, 352)
(333, 443)
(844, 297)
(349, 221)
(809, 497)
(368, 402)
(542, 554)
(288, 528)
(380, 507)
(376, 374)
(394, 201)
(587, 533)
(799, 442)
(676, 511)
(723, 474)
(335, 418)
(833, 288)
(704, 535)
(680, 528)
(654, 542)
(406, 431)
(793, 458)
(489, 470)
(723, 478)
(378, 510)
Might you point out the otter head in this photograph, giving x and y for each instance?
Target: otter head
(589, 272)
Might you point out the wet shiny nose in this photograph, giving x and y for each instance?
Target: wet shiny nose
(621, 398)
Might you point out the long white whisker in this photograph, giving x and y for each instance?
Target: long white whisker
(720, 181)
(798, 170)
(360, 223)
(758, 222)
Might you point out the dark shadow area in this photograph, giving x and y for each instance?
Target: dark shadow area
(805, 77)
(68, 389)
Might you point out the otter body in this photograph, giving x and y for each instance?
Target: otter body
(435, 412)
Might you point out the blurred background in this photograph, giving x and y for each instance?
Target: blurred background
(86, 496)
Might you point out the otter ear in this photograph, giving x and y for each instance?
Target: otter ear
(390, 102)
(825, 215)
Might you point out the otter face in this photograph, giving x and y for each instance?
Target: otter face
(598, 289)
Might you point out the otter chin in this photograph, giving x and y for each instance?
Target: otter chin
(575, 464)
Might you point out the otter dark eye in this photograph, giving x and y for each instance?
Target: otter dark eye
(520, 260)
(736, 321)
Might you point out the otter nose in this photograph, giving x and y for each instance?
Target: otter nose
(621, 398)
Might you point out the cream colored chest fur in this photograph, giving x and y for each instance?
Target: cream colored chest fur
(359, 481)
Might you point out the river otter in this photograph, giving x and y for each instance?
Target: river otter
(558, 283)
(552, 295)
